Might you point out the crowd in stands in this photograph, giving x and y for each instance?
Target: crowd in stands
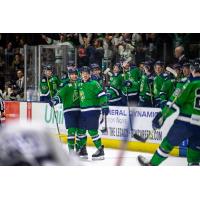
(112, 48)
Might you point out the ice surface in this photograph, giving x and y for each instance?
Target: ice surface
(129, 158)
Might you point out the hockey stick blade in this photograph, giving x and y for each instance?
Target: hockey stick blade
(104, 130)
(143, 161)
(140, 138)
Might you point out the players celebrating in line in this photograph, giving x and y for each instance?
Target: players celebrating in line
(185, 101)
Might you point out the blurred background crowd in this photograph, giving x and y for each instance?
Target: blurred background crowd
(135, 48)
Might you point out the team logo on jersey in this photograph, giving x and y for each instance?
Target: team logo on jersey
(177, 92)
(82, 96)
(43, 80)
(76, 95)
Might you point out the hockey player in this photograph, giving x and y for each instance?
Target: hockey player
(146, 86)
(130, 85)
(169, 84)
(69, 96)
(186, 70)
(96, 73)
(92, 101)
(114, 88)
(186, 102)
(64, 79)
(158, 81)
(48, 85)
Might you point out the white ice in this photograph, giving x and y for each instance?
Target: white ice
(129, 158)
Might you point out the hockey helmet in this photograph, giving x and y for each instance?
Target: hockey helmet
(195, 67)
(85, 69)
(24, 143)
(72, 71)
(94, 66)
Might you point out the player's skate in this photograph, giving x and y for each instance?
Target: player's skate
(82, 153)
(143, 161)
(99, 154)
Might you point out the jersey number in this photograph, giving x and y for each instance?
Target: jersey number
(197, 99)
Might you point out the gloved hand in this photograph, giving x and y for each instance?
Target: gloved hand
(157, 102)
(54, 102)
(105, 110)
(108, 95)
(163, 103)
(128, 83)
(158, 121)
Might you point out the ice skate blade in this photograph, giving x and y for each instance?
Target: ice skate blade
(98, 158)
(83, 157)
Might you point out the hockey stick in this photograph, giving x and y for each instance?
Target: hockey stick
(127, 136)
(54, 111)
(168, 109)
(105, 80)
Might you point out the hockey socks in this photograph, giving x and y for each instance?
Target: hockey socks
(71, 138)
(193, 156)
(161, 153)
(95, 138)
(81, 138)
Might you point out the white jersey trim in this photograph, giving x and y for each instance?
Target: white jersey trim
(71, 109)
(89, 109)
(165, 155)
(131, 94)
(113, 100)
(44, 95)
(115, 91)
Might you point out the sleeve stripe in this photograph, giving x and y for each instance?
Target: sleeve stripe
(173, 105)
(101, 94)
(115, 90)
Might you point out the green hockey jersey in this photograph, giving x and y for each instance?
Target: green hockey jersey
(92, 96)
(146, 88)
(64, 81)
(53, 83)
(69, 96)
(157, 85)
(186, 101)
(134, 76)
(167, 89)
(114, 88)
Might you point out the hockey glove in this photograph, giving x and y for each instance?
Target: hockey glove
(105, 110)
(162, 104)
(108, 95)
(158, 121)
(128, 83)
(54, 102)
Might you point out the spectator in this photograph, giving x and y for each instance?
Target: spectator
(2, 63)
(108, 50)
(9, 54)
(10, 92)
(98, 52)
(17, 62)
(83, 59)
(179, 55)
(20, 83)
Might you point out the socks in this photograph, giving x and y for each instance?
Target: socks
(161, 153)
(193, 156)
(71, 138)
(95, 138)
